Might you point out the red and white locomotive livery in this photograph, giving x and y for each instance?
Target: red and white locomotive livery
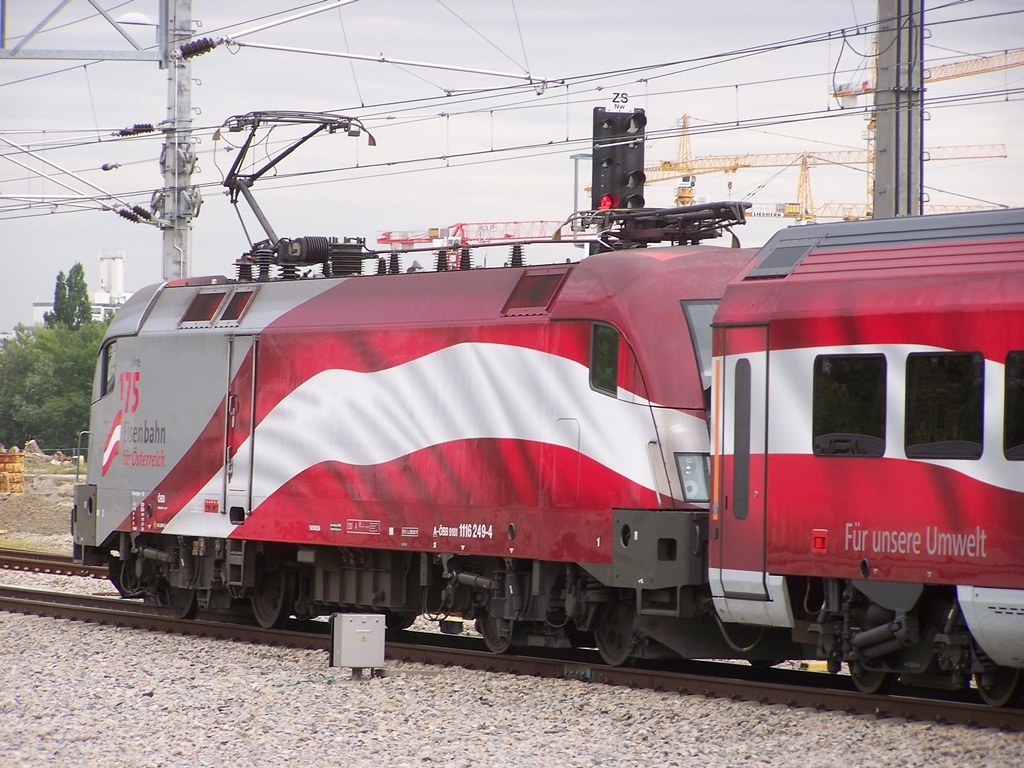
(525, 445)
(868, 427)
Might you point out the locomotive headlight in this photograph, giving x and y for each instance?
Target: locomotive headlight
(694, 471)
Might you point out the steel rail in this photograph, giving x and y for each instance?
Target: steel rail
(47, 562)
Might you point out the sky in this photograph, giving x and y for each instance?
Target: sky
(455, 146)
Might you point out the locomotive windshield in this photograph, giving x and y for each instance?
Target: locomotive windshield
(699, 314)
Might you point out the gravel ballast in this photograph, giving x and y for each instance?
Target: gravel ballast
(74, 694)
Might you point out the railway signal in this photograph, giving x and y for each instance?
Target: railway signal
(618, 164)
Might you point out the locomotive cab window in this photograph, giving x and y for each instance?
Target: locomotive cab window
(108, 369)
(848, 410)
(699, 315)
(1013, 413)
(604, 359)
(945, 405)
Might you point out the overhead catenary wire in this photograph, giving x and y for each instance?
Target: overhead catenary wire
(571, 144)
(489, 94)
(284, 181)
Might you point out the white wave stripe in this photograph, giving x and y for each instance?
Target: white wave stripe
(466, 391)
(791, 392)
(114, 440)
(463, 392)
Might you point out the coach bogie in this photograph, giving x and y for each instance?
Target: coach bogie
(886, 632)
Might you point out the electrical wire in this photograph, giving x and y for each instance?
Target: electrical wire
(490, 94)
(505, 154)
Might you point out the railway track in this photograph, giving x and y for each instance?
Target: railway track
(792, 688)
(47, 562)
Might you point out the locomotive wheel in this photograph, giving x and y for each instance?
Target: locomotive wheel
(182, 602)
(273, 599)
(497, 633)
(399, 621)
(872, 681)
(1004, 689)
(614, 634)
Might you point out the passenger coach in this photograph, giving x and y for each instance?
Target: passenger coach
(869, 429)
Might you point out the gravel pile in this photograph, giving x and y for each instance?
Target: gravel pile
(40, 517)
(75, 694)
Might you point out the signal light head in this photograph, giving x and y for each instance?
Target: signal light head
(636, 123)
(609, 201)
(636, 179)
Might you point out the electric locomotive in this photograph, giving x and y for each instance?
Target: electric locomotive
(524, 446)
(869, 438)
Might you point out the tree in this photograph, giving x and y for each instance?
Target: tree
(46, 372)
(17, 365)
(71, 307)
(61, 389)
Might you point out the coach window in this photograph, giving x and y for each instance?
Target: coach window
(109, 369)
(604, 359)
(1013, 407)
(848, 410)
(944, 405)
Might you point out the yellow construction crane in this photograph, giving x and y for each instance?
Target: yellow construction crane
(686, 168)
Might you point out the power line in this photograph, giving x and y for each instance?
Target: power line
(480, 97)
(525, 151)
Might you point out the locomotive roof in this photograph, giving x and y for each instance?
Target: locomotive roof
(637, 291)
(926, 266)
(616, 287)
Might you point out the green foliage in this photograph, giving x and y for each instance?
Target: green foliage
(46, 372)
(17, 364)
(71, 307)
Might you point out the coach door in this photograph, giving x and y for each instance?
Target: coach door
(238, 447)
(741, 424)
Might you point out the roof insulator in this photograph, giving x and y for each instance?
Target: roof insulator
(136, 129)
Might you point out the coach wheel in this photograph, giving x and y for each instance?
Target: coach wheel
(873, 681)
(497, 633)
(182, 602)
(1001, 687)
(614, 634)
(273, 599)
